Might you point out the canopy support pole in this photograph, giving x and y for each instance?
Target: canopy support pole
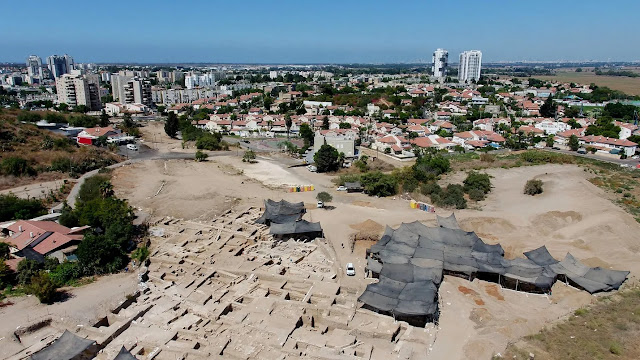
(516, 284)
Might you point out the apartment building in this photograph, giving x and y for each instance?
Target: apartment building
(469, 67)
(76, 89)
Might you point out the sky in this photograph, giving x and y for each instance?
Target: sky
(328, 31)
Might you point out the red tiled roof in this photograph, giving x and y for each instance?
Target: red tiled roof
(608, 141)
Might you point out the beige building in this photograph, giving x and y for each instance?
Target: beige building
(75, 89)
(131, 90)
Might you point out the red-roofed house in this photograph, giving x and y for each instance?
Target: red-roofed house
(625, 146)
(89, 135)
(433, 141)
(46, 238)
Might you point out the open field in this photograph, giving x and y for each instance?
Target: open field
(627, 85)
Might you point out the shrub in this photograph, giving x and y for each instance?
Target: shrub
(141, 254)
(12, 207)
(211, 142)
(487, 157)
(249, 156)
(615, 348)
(476, 180)
(476, 195)
(378, 184)
(16, 166)
(201, 156)
(431, 188)
(65, 273)
(27, 269)
(452, 196)
(533, 187)
(42, 287)
(410, 185)
(29, 116)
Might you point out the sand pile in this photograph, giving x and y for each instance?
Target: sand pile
(367, 230)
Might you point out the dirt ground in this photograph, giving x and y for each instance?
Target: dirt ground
(478, 318)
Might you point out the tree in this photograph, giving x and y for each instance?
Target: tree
(550, 140)
(341, 158)
(325, 123)
(324, 196)
(104, 119)
(288, 122)
(42, 287)
(533, 187)
(106, 189)
(127, 122)
(574, 144)
(326, 158)
(27, 269)
(306, 133)
(476, 180)
(171, 125)
(548, 109)
(4, 251)
(201, 156)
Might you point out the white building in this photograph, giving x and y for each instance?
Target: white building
(440, 63)
(470, 64)
(131, 90)
(74, 90)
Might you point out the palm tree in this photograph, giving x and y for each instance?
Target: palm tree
(106, 189)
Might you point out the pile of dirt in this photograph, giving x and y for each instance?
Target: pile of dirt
(367, 230)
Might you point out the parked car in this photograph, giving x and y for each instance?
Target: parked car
(555, 148)
(320, 204)
(132, 147)
(341, 188)
(351, 270)
(312, 168)
(582, 151)
(635, 157)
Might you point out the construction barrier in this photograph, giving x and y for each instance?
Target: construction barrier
(422, 206)
(301, 188)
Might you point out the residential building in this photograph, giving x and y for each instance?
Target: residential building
(75, 90)
(440, 63)
(34, 70)
(131, 90)
(89, 135)
(607, 144)
(59, 65)
(343, 141)
(39, 239)
(469, 67)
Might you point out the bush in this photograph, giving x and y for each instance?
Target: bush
(201, 156)
(16, 166)
(378, 184)
(249, 156)
(533, 187)
(476, 195)
(27, 269)
(541, 157)
(476, 180)
(141, 254)
(42, 287)
(29, 116)
(211, 142)
(410, 185)
(65, 273)
(452, 196)
(431, 188)
(12, 207)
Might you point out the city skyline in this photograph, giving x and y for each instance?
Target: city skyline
(301, 33)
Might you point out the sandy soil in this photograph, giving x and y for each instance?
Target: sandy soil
(478, 318)
(84, 305)
(38, 190)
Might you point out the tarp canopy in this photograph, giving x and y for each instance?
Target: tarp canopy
(295, 227)
(66, 347)
(281, 212)
(411, 260)
(124, 354)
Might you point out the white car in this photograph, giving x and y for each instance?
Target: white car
(351, 270)
(635, 157)
(312, 168)
(341, 188)
(132, 147)
(320, 204)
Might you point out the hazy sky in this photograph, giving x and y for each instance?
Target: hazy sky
(303, 31)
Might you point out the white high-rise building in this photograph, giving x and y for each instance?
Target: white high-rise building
(34, 69)
(470, 64)
(440, 63)
(131, 89)
(74, 90)
(60, 65)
